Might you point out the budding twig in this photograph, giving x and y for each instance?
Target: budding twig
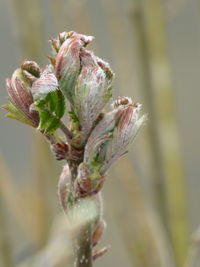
(37, 97)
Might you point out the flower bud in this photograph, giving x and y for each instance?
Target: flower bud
(124, 132)
(21, 98)
(101, 134)
(83, 78)
(56, 43)
(92, 90)
(68, 63)
(112, 135)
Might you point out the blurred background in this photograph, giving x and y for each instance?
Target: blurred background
(151, 196)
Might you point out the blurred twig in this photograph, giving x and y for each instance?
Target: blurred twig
(152, 236)
(5, 246)
(194, 249)
(173, 186)
(28, 27)
(156, 172)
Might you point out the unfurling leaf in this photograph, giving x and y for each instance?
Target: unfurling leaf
(73, 116)
(48, 122)
(113, 134)
(21, 99)
(14, 113)
(92, 90)
(57, 103)
(68, 62)
(52, 125)
(51, 109)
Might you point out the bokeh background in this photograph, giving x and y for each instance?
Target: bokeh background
(152, 195)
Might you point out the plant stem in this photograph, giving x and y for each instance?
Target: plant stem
(82, 214)
(83, 247)
(145, 79)
(66, 131)
(168, 136)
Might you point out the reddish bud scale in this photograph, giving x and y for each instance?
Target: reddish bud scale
(87, 183)
(60, 150)
(64, 186)
(98, 233)
(100, 252)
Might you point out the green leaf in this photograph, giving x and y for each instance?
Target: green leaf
(11, 108)
(48, 122)
(51, 109)
(44, 117)
(52, 99)
(40, 104)
(73, 116)
(108, 94)
(20, 119)
(14, 113)
(54, 102)
(57, 103)
(43, 102)
(52, 125)
(60, 108)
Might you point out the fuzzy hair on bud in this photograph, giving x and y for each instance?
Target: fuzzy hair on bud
(68, 63)
(123, 134)
(92, 91)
